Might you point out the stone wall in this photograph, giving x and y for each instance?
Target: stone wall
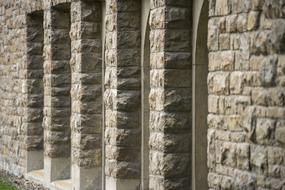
(89, 69)
(246, 95)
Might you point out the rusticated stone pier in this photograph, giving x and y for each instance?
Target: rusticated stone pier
(143, 94)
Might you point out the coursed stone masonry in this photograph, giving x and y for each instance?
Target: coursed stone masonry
(57, 83)
(246, 95)
(91, 72)
(86, 93)
(170, 95)
(122, 94)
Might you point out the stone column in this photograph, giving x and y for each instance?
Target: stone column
(57, 82)
(170, 95)
(122, 95)
(86, 65)
(34, 92)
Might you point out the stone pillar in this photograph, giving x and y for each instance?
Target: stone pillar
(57, 82)
(170, 95)
(86, 119)
(122, 95)
(34, 92)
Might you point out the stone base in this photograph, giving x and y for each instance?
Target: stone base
(61, 185)
(57, 169)
(34, 160)
(37, 176)
(86, 179)
(122, 184)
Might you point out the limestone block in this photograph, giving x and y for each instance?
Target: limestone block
(177, 17)
(57, 102)
(253, 20)
(224, 41)
(231, 23)
(88, 63)
(275, 156)
(280, 132)
(169, 165)
(111, 40)
(56, 67)
(177, 40)
(128, 39)
(34, 115)
(157, 40)
(268, 71)
(213, 103)
(264, 131)
(218, 83)
(160, 3)
(57, 80)
(169, 142)
(169, 121)
(170, 78)
(90, 45)
(236, 82)
(121, 153)
(122, 170)
(214, 180)
(223, 61)
(243, 156)
(244, 180)
(260, 43)
(213, 34)
(259, 159)
(222, 7)
(128, 21)
(211, 149)
(228, 155)
(122, 137)
(157, 18)
(242, 22)
(58, 36)
(272, 9)
(35, 48)
(242, 59)
(121, 119)
(170, 60)
(170, 100)
(257, 4)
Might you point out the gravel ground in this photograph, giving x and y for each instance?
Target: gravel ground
(19, 182)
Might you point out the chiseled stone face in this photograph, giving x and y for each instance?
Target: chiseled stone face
(51, 95)
(249, 152)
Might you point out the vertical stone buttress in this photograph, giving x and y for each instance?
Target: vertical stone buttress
(86, 65)
(122, 95)
(170, 95)
(57, 82)
(246, 81)
(34, 91)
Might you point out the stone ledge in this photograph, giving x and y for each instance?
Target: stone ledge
(37, 177)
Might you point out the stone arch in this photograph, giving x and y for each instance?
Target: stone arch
(145, 81)
(200, 95)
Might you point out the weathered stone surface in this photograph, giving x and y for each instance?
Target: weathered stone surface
(249, 147)
(122, 94)
(53, 85)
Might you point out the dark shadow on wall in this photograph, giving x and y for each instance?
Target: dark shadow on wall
(35, 92)
(200, 103)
